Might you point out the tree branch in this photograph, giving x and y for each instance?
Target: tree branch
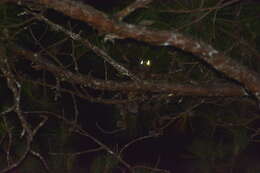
(147, 86)
(100, 21)
(131, 8)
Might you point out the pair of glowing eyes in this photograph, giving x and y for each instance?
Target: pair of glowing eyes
(145, 62)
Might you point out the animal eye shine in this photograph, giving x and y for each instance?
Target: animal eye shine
(145, 62)
(148, 62)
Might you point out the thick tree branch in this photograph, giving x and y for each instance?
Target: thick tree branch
(155, 86)
(100, 21)
(131, 8)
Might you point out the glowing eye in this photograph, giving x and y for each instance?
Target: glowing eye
(148, 63)
(142, 62)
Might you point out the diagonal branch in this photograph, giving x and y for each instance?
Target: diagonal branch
(120, 68)
(100, 21)
(147, 86)
(131, 8)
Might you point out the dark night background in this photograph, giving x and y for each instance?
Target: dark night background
(206, 134)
